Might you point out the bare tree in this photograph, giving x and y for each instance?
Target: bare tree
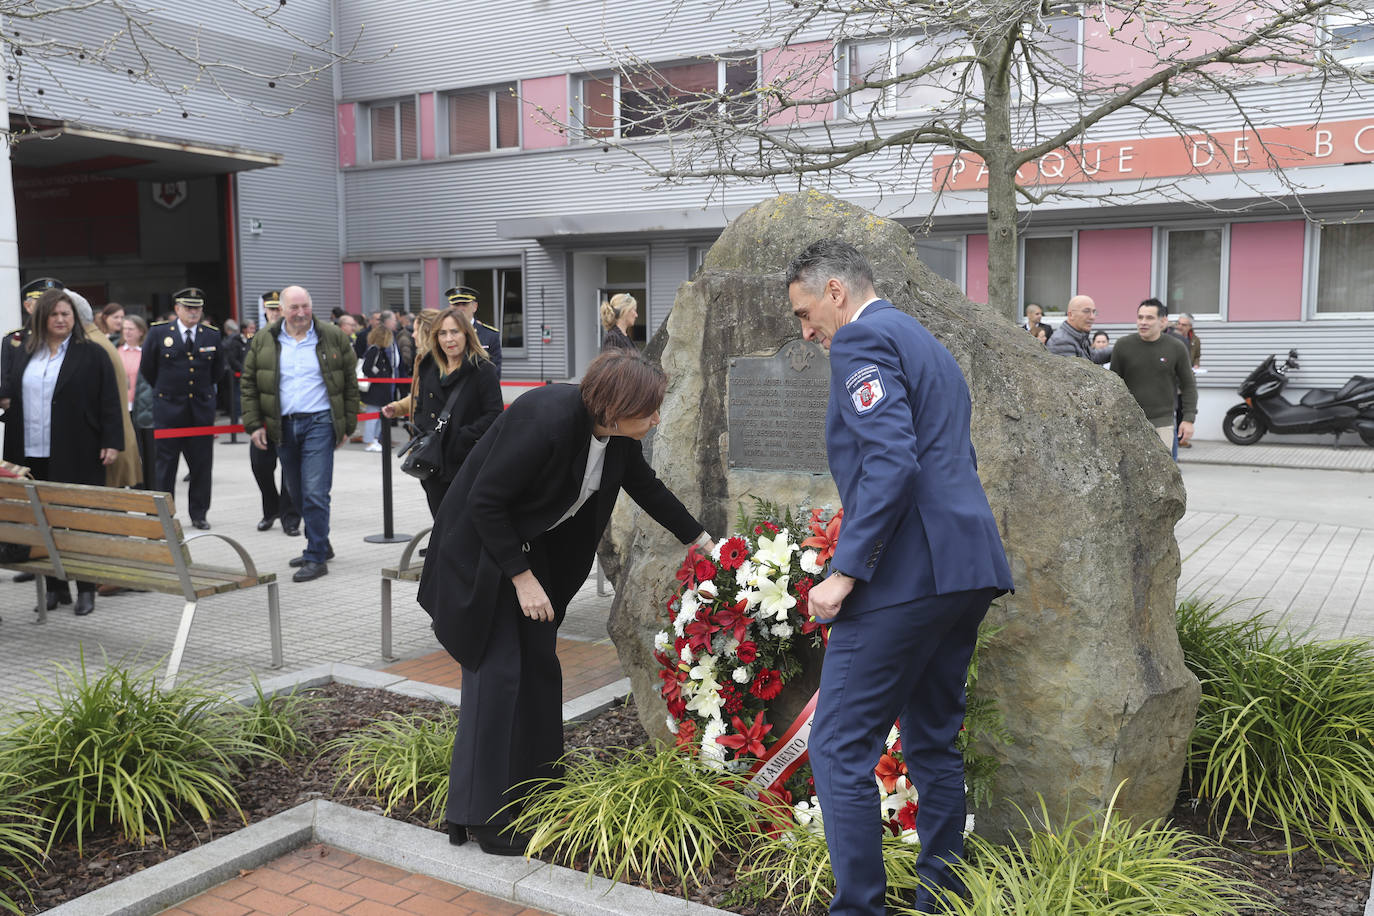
(894, 94)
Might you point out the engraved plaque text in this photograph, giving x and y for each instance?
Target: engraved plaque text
(776, 409)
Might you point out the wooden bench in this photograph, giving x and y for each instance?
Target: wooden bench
(405, 571)
(127, 538)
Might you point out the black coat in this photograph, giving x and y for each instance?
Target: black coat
(87, 413)
(377, 364)
(616, 339)
(477, 407)
(520, 479)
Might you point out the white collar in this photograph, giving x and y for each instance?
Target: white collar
(182, 329)
(860, 310)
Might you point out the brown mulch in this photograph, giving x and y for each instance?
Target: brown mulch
(1308, 888)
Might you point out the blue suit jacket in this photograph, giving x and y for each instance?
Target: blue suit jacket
(916, 519)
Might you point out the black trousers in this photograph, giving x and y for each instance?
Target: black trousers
(275, 504)
(510, 728)
(39, 468)
(200, 456)
(147, 453)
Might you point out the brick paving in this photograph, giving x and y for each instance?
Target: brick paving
(586, 667)
(319, 880)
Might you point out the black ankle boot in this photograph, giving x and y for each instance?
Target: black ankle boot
(457, 834)
(500, 841)
(85, 603)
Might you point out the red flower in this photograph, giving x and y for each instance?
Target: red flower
(747, 652)
(771, 527)
(767, 685)
(824, 538)
(758, 529)
(746, 742)
(732, 702)
(686, 572)
(699, 632)
(686, 734)
(734, 618)
(888, 770)
(907, 816)
(678, 708)
(678, 643)
(705, 569)
(734, 552)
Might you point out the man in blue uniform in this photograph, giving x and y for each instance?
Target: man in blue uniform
(918, 562)
(465, 298)
(183, 361)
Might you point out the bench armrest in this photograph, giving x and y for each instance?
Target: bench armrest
(248, 567)
(410, 548)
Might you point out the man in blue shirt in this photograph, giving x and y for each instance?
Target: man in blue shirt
(918, 562)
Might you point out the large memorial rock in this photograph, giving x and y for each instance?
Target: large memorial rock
(1088, 669)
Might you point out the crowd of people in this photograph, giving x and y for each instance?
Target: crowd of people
(1156, 363)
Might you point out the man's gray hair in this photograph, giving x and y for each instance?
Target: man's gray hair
(828, 258)
(1188, 315)
(83, 308)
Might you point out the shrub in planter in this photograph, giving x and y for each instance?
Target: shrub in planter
(21, 828)
(1285, 732)
(276, 724)
(400, 760)
(118, 749)
(642, 814)
(1100, 864)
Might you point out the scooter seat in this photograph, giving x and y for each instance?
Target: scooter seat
(1320, 396)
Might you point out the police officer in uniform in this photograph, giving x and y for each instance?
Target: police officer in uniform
(14, 343)
(465, 298)
(183, 361)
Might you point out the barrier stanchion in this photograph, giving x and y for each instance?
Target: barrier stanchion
(388, 535)
(235, 405)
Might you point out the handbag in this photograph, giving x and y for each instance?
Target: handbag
(424, 455)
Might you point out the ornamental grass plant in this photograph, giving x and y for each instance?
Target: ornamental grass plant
(1285, 732)
(276, 724)
(21, 830)
(642, 815)
(117, 749)
(1100, 864)
(401, 760)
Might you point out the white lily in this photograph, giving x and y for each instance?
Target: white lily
(707, 701)
(773, 599)
(902, 793)
(775, 551)
(704, 670)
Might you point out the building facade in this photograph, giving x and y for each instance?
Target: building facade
(457, 147)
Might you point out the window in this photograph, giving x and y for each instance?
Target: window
(1056, 54)
(1047, 271)
(1351, 37)
(399, 292)
(481, 120)
(1193, 260)
(1345, 271)
(658, 99)
(875, 60)
(393, 131)
(943, 256)
(500, 300)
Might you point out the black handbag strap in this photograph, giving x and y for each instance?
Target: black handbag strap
(448, 405)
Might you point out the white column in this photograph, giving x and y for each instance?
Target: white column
(9, 232)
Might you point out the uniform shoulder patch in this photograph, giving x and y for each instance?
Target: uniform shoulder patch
(866, 389)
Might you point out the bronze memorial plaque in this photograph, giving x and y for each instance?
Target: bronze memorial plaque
(776, 409)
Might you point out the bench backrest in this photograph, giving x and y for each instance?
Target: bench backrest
(137, 526)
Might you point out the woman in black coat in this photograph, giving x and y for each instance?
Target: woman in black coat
(513, 541)
(454, 364)
(618, 318)
(379, 361)
(65, 413)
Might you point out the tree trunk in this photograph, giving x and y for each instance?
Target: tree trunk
(999, 158)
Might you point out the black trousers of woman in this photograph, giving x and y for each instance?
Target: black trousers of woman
(39, 467)
(434, 493)
(510, 726)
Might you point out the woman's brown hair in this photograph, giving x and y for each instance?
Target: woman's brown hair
(42, 311)
(620, 384)
(474, 351)
(379, 337)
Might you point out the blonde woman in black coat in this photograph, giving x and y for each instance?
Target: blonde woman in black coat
(618, 319)
(453, 357)
(513, 541)
(64, 414)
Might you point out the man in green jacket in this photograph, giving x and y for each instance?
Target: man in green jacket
(300, 392)
(1156, 369)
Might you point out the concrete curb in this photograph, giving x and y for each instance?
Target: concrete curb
(414, 849)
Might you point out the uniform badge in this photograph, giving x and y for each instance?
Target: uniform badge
(865, 387)
(167, 341)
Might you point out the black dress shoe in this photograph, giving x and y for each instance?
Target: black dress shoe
(56, 598)
(267, 522)
(300, 561)
(291, 530)
(200, 523)
(457, 834)
(24, 577)
(500, 841)
(310, 571)
(85, 603)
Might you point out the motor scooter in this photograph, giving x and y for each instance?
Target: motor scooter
(1347, 409)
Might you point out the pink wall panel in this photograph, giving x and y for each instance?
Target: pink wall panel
(802, 71)
(432, 291)
(1114, 268)
(427, 135)
(976, 268)
(544, 103)
(348, 134)
(353, 287)
(1266, 271)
